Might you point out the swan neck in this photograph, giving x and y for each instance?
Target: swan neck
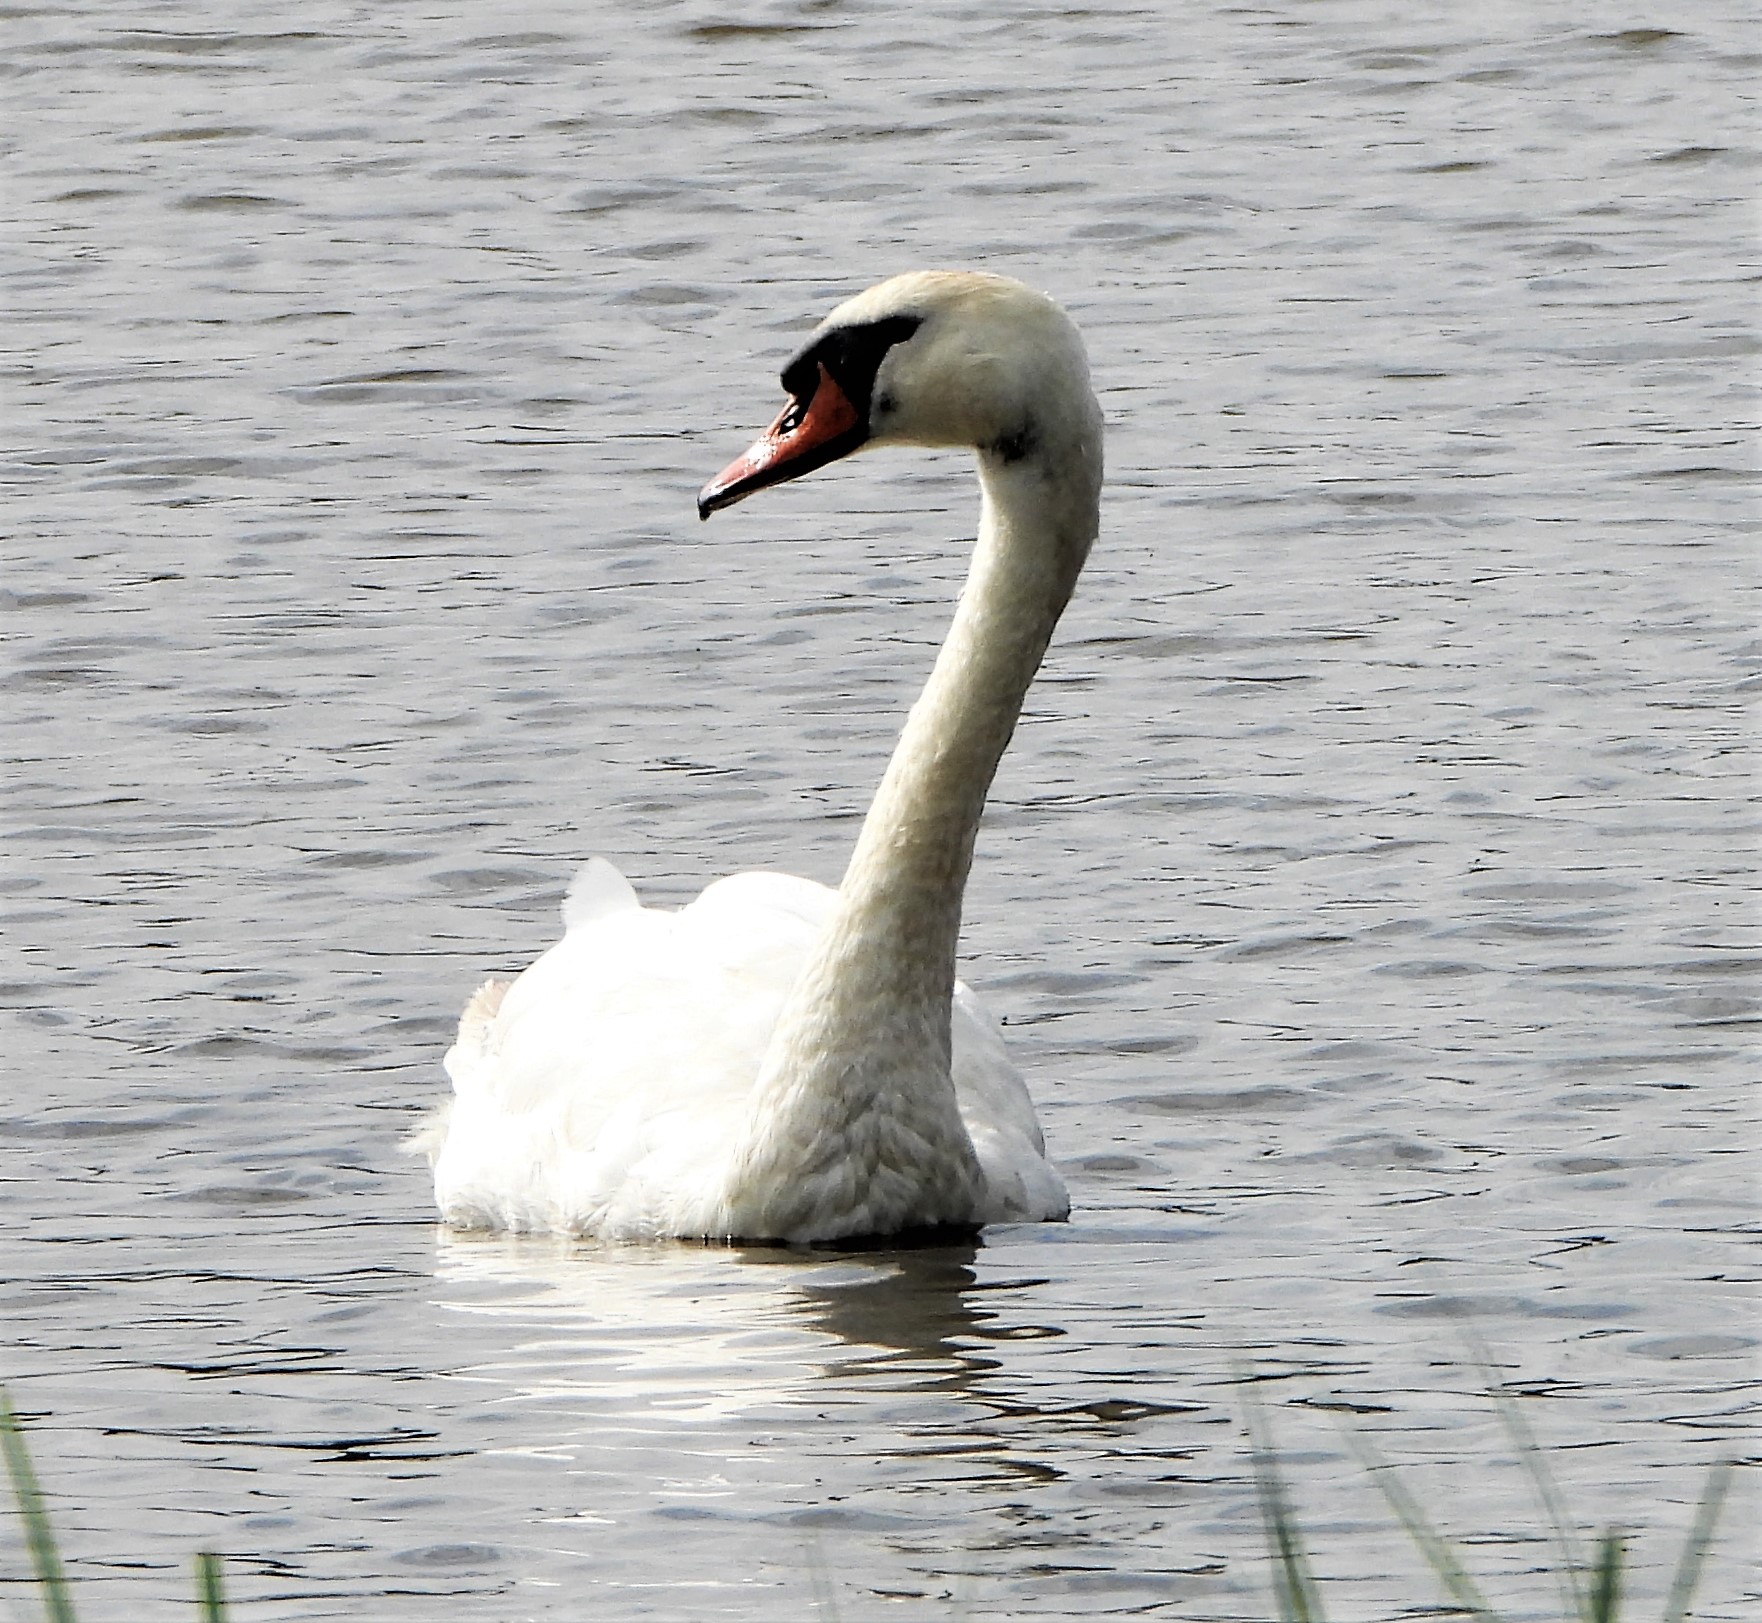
(908, 873)
(861, 1051)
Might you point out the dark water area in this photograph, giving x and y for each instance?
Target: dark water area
(1369, 893)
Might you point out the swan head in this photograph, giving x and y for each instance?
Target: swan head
(934, 358)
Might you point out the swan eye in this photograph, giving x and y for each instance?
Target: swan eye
(851, 355)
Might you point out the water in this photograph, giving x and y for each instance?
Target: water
(1368, 891)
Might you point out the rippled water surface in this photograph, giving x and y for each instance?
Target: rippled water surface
(1368, 891)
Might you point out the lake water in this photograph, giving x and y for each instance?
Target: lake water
(1369, 892)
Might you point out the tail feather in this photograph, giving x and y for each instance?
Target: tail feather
(476, 1042)
(474, 1046)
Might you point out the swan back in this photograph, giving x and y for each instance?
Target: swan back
(601, 1091)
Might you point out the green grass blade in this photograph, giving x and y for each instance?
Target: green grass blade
(39, 1537)
(1432, 1544)
(1535, 1462)
(1294, 1586)
(210, 1594)
(1688, 1567)
(1603, 1605)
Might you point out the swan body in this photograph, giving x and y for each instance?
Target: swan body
(779, 1060)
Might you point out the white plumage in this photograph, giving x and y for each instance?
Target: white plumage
(779, 1060)
(601, 1092)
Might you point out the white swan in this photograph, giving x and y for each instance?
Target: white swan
(777, 1060)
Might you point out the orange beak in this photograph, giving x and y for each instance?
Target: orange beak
(807, 435)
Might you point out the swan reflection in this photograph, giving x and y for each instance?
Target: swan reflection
(689, 1333)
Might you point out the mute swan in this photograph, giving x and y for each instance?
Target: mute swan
(778, 1060)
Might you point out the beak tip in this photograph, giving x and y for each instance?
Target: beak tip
(810, 432)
